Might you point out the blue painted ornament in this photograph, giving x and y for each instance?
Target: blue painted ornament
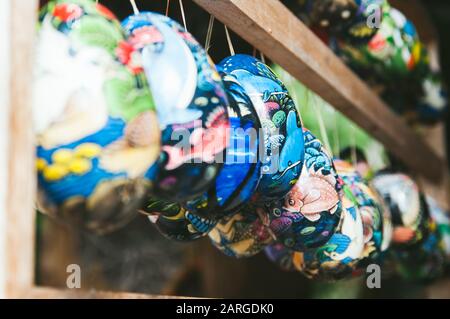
(282, 153)
(241, 172)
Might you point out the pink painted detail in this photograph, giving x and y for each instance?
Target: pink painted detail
(367, 219)
(272, 106)
(205, 144)
(168, 182)
(144, 36)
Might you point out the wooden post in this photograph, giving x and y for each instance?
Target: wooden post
(17, 216)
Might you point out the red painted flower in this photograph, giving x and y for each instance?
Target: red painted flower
(105, 12)
(67, 12)
(125, 52)
(377, 43)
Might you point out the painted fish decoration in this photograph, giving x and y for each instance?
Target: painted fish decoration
(309, 214)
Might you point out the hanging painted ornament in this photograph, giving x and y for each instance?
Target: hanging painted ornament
(176, 223)
(373, 214)
(356, 242)
(309, 214)
(392, 53)
(442, 219)
(96, 129)
(422, 262)
(191, 104)
(243, 234)
(355, 21)
(282, 153)
(407, 206)
(241, 172)
(432, 103)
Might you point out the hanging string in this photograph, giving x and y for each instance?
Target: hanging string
(230, 44)
(336, 133)
(323, 130)
(135, 8)
(209, 33)
(263, 58)
(353, 144)
(183, 16)
(167, 8)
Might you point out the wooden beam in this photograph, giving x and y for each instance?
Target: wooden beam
(53, 293)
(18, 216)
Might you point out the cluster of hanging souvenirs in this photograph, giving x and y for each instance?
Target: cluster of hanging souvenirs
(135, 116)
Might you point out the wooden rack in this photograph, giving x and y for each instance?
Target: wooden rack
(266, 24)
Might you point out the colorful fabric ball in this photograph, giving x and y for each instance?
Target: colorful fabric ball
(176, 223)
(308, 215)
(243, 234)
(241, 172)
(191, 103)
(96, 129)
(283, 152)
(407, 205)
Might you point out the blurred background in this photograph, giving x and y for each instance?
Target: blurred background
(138, 259)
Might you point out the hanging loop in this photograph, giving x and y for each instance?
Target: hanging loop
(135, 8)
(183, 16)
(209, 33)
(167, 8)
(230, 44)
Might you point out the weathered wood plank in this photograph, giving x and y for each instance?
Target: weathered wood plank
(53, 293)
(19, 215)
(294, 47)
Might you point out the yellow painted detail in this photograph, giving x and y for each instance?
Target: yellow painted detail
(80, 166)
(88, 150)
(62, 156)
(41, 164)
(55, 172)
